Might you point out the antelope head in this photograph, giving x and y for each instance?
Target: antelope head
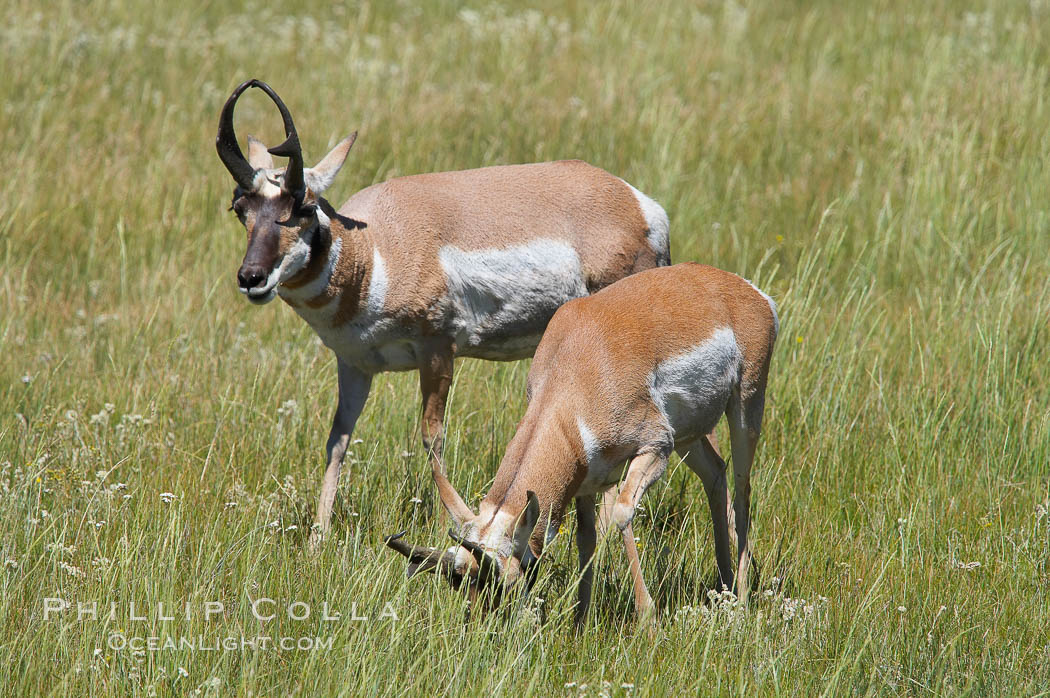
(280, 208)
(491, 560)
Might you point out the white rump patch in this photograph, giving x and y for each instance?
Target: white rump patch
(692, 389)
(772, 307)
(499, 295)
(659, 225)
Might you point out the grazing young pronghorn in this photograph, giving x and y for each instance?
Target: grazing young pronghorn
(620, 378)
(412, 272)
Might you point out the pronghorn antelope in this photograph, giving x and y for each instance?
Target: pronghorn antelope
(620, 378)
(412, 272)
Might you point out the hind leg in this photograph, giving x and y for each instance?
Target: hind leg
(712, 439)
(745, 425)
(703, 459)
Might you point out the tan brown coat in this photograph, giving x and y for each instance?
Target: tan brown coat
(621, 378)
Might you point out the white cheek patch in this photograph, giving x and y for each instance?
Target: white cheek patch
(318, 285)
(508, 292)
(691, 390)
(494, 537)
(295, 259)
(659, 225)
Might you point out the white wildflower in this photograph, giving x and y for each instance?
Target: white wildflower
(167, 497)
(101, 418)
(61, 549)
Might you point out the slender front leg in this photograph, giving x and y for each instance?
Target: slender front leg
(435, 379)
(643, 471)
(353, 392)
(586, 538)
(643, 602)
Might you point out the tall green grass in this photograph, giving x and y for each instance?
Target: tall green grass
(879, 168)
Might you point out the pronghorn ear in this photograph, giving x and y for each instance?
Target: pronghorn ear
(258, 156)
(525, 525)
(320, 176)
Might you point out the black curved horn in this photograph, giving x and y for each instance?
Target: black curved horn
(226, 142)
(421, 559)
(294, 179)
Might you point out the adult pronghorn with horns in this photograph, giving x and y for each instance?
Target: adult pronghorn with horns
(417, 270)
(622, 378)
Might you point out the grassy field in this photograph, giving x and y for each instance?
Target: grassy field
(879, 168)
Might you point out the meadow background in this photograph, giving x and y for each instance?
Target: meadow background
(878, 167)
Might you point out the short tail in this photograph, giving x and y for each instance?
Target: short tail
(659, 227)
